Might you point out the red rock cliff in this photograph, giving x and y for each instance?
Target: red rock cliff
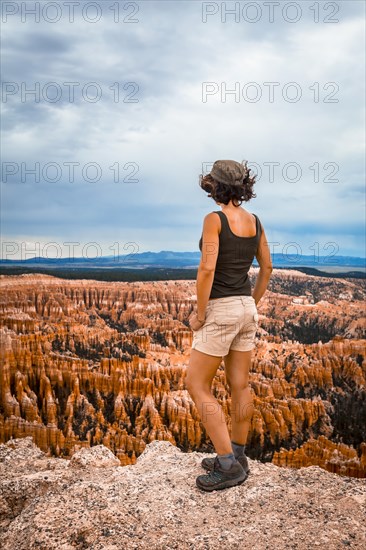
(87, 362)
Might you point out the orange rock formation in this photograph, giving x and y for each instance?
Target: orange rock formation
(87, 362)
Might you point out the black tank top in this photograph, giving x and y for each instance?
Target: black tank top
(235, 257)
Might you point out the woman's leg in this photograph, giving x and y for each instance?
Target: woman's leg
(200, 373)
(237, 366)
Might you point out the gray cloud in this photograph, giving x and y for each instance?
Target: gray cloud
(171, 131)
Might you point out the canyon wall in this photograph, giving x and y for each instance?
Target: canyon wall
(87, 362)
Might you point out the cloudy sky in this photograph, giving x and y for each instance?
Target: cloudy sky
(131, 102)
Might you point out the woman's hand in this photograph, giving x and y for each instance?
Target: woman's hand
(194, 323)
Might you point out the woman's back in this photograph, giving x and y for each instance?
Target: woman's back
(241, 222)
(239, 237)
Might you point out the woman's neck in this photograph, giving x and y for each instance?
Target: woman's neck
(230, 206)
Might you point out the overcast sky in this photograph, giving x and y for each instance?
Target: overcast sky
(146, 97)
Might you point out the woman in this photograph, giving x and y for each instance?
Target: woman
(226, 319)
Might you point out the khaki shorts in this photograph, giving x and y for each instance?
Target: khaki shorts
(231, 324)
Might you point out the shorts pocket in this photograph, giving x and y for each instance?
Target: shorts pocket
(225, 315)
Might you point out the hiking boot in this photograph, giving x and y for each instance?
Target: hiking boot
(207, 463)
(218, 478)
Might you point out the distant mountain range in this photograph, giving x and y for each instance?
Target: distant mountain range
(184, 260)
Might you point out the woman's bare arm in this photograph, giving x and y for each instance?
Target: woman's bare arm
(206, 268)
(264, 259)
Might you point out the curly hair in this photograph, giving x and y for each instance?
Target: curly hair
(223, 193)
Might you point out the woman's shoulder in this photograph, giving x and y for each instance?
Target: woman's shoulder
(211, 216)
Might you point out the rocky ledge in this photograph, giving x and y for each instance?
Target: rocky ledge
(92, 502)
